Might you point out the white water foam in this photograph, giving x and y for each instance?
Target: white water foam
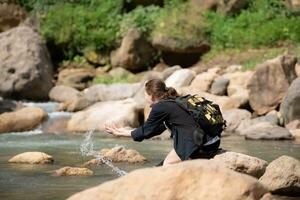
(87, 149)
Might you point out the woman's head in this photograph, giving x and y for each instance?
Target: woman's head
(156, 90)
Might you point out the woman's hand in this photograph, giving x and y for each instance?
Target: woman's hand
(113, 129)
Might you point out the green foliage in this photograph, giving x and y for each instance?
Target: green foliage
(181, 22)
(77, 27)
(266, 23)
(141, 17)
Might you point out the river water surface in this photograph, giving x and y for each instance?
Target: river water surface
(23, 181)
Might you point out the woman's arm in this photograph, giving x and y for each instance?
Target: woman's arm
(113, 129)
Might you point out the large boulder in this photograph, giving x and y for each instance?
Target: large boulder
(270, 82)
(73, 171)
(169, 71)
(135, 53)
(266, 131)
(24, 119)
(234, 117)
(117, 91)
(123, 113)
(197, 179)
(32, 158)
(290, 107)
(175, 52)
(71, 99)
(282, 176)
(120, 154)
(242, 163)
(180, 78)
(78, 78)
(26, 69)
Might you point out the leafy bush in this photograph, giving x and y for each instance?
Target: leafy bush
(77, 28)
(141, 17)
(266, 23)
(181, 22)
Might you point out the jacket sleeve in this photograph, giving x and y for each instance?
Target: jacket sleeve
(153, 126)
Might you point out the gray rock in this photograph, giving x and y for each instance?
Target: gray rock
(26, 69)
(219, 86)
(122, 112)
(270, 82)
(290, 106)
(282, 176)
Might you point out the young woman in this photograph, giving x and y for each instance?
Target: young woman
(165, 113)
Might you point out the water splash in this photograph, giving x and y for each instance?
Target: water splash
(87, 149)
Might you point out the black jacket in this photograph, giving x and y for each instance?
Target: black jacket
(181, 124)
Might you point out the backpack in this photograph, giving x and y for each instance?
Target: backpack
(206, 114)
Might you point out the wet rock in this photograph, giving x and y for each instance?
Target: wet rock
(266, 131)
(282, 176)
(78, 78)
(234, 117)
(91, 163)
(26, 69)
(204, 80)
(270, 83)
(123, 113)
(135, 52)
(197, 179)
(32, 158)
(24, 119)
(242, 163)
(180, 78)
(219, 86)
(120, 154)
(73, 171)
(290, 107)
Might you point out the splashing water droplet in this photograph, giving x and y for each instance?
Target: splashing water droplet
(87, 149)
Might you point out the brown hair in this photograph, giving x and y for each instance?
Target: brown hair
(158, 89)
